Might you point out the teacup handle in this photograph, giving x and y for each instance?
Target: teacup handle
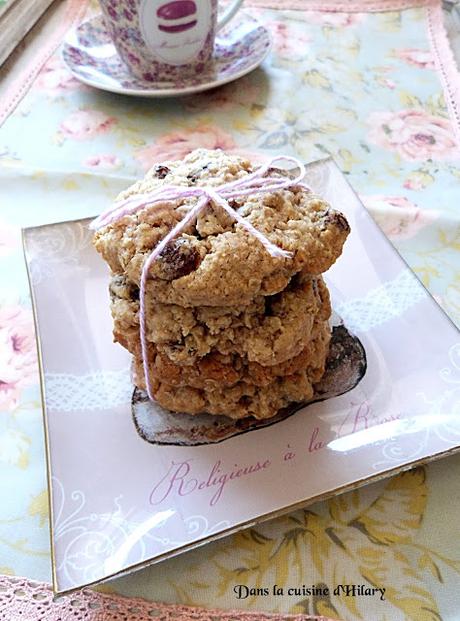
(228, 14)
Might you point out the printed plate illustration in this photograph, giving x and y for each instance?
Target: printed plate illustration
(119, 502)
(345, 367)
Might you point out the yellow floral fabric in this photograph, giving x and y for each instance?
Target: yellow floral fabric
(383, 534)
(361, 87)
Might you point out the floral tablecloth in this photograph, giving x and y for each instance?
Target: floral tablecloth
(379, 92)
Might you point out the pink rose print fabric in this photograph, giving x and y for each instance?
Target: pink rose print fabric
(226, 98)
(418, 180)
(178, 144)
(414, 135)
(287, 45)
(55, 79)
(397, 216)
(423, 59)
(86, 124)
(18, 357)
(335, 19)
(103, 161)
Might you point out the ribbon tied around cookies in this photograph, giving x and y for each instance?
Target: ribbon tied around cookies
(258, 181)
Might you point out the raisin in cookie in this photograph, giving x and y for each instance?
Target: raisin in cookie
(216, 261)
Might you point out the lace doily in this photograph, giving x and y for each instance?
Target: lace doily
(385, 302)
(24, 600)
(102, 390)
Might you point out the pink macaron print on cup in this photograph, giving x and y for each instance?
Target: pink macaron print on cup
(162, 40)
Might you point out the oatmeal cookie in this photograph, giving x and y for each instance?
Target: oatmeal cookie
(237, 401)
(215, 261)
(269, 331)
(216, 370)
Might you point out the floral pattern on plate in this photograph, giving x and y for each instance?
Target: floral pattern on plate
(91, 56)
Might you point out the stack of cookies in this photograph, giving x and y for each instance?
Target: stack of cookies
(230, 329)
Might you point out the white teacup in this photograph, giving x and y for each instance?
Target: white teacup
(165, 39)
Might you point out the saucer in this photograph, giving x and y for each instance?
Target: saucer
(346, 366)
(92, 58)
